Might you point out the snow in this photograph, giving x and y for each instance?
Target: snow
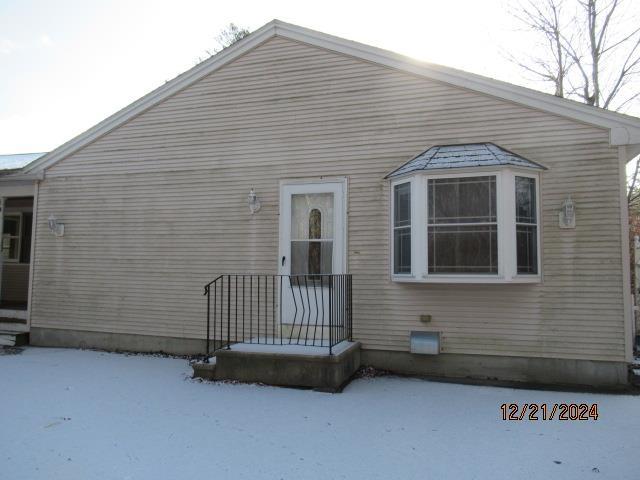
(291, 349)
(19, 160)
(73, 414)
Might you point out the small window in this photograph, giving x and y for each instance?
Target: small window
(11, 237)
(526, 226)
(402, 229)
(462, 225)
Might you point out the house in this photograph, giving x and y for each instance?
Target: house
(333, 195)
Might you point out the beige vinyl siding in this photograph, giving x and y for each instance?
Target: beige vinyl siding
(158, 207)
(15, 282)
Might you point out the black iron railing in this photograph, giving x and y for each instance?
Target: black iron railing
(312, 310)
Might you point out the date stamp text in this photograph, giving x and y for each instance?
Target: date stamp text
(553, 411)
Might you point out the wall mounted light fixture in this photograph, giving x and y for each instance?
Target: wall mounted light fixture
(254, 202)
(567, 214)
(56, 227)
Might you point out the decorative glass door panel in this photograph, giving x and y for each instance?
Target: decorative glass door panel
(312, 227)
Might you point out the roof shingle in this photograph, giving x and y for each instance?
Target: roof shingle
(464, 156)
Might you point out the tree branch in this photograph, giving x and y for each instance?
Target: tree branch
(624, 71)
(632, 187)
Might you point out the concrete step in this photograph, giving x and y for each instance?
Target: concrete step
(206, 371)
(8, 327)
(13, 339)
(7, 340)
(284, 365)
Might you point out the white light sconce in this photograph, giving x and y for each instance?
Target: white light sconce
(254, 202)
(567, 214)
(56, 227)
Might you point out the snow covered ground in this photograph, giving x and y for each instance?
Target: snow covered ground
(70, 414)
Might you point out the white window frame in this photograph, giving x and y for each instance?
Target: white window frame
(506, 224)
(412, 224)
(19, 236)
(535, 277)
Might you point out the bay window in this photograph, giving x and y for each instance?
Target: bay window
(475, 225)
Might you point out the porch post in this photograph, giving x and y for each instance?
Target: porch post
(32, 254)
(2, 200)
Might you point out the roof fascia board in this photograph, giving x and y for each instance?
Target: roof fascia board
(21, 176)
(154, 97)
(8, 182)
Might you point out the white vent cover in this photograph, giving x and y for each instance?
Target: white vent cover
(425, 343)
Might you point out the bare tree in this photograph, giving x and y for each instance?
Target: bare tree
(227, 37)
(230, 35)
(552, 63)
(590, 48)
(633, 190)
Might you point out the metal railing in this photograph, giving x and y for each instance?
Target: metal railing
(312, 310)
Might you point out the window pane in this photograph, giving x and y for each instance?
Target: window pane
(311, 258)
(315, 224)
(11, 225)
(402, 203)
(402, 229)
(10, 248)
(525, 200)
(527, 248)
(402, 250)
(309, 209)
(462, 200)
(463, 249)
(25, 248)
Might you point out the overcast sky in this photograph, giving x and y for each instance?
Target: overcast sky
(66, 65)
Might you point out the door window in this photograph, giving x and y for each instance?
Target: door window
(312, 220)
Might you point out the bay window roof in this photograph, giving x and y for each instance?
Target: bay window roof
(464, 156)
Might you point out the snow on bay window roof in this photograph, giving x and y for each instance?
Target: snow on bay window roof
(464, 156)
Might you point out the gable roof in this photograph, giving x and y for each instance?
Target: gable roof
(624, 129)
(462, 156)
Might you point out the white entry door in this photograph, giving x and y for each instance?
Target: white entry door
(312, 246)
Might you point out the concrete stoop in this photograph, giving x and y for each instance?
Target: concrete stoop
(278, 367)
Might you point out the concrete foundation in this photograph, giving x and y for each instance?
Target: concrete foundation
(588, 374)
(332, 371)
(53, 337)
